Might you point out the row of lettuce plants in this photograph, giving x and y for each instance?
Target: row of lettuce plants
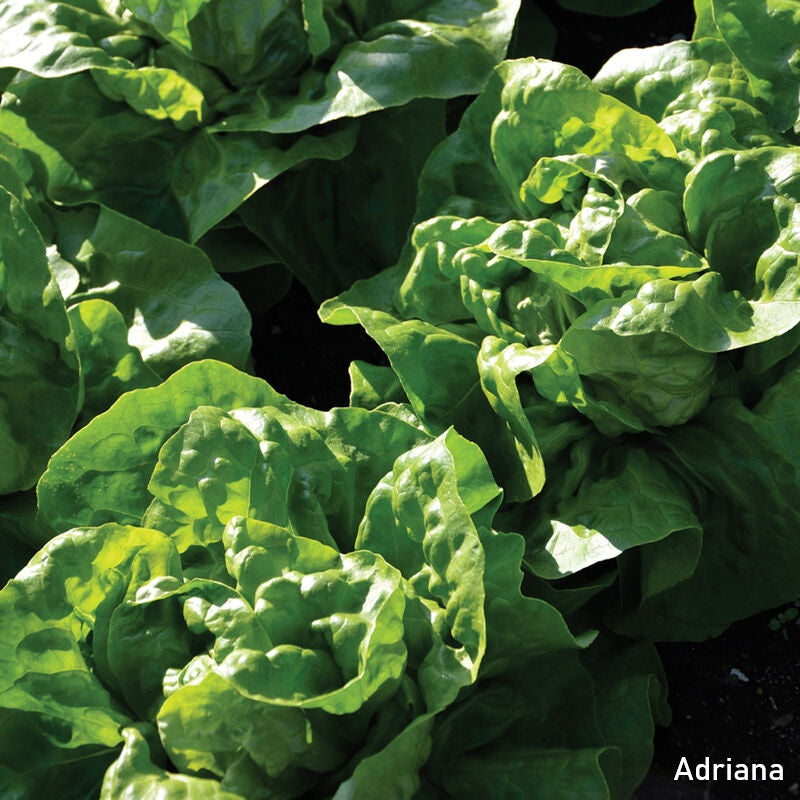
(586, 439)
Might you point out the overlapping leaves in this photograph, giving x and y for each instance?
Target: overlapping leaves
(607, 272)
(286, 603)
(175, 113)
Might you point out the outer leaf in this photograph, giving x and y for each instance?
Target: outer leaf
(68, 44)
(395, 768)
(763, 37)
(436, 49)
(177, 309)
(622, 508)
(132, 175)
(371, 385)
(519, 627)
(631, 697)
(109, 364)
(153, 175)
(51, 697)
(101, 474)
(744, 459)
(133, 774)
(359, 227)
(532, 729)
(39, 382)
(365, 59)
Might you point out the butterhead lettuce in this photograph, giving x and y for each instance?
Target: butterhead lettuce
(174, 113)
(248, 598)
(605, 277)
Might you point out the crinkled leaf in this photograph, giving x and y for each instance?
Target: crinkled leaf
(48, 688)
(418, 518)
(213, 469)
(133, 774)
(436, 368)
(252, 746)
(101, 474)
(310, 471)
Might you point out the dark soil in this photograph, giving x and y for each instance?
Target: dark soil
(735, 697)
(305, 359)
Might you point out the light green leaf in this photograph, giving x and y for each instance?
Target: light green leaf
(133, 774)
(101, 474)
(698, 92)
(49, 690)
(371, 385)
(155, 92)
(433, 491)
(213, 469)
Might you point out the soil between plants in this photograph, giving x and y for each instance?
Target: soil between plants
(738, 697)
(734, 697)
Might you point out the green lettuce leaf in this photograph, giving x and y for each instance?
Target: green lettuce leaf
(134, 773)
(763, 38)
(101, 474)
(615, 263)
(110, 365)
(57, 711)
(310, 594)
(697, 91)
(176, 114)
(40, 382)
(349, 194)
(174, 305)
